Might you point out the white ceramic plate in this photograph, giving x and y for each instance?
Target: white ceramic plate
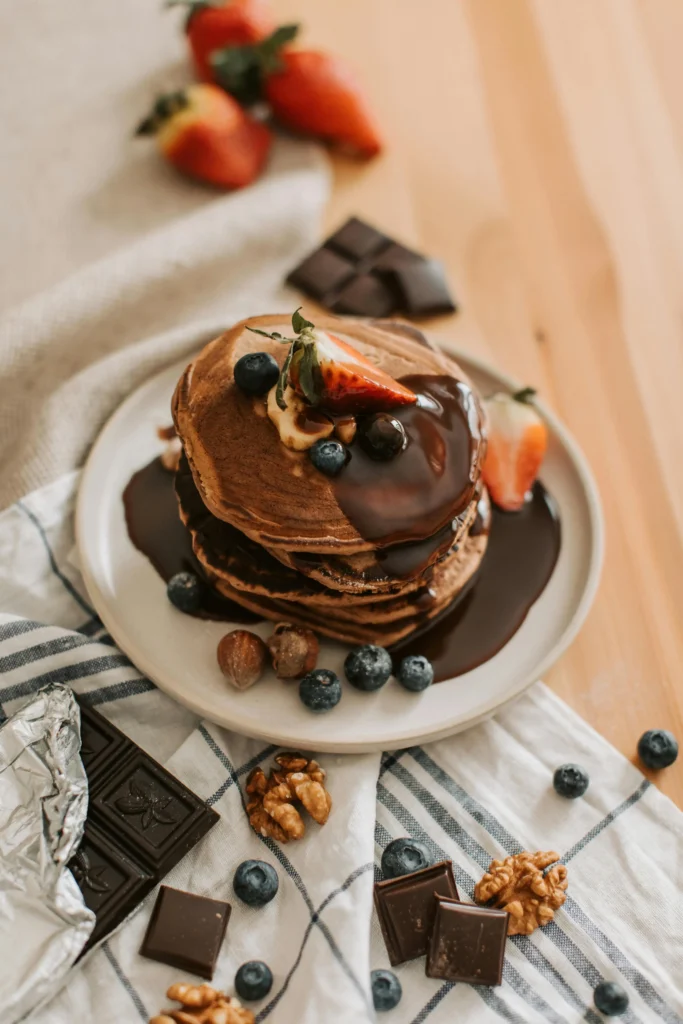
(179, 653)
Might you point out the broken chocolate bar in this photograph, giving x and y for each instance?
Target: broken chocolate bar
(359, 271)
(406, 907)
(467, 943)
(186, 931)
(141, 822)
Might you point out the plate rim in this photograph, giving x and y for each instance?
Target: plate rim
(145, 663)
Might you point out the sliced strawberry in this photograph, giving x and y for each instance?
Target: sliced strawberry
(351, 383)
(517, 441)
(332, 375)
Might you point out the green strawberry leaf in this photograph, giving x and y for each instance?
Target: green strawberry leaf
(282, 381)
(299, 324)
(238, 70)
(273, 335)
(269, 49)
(310, 375)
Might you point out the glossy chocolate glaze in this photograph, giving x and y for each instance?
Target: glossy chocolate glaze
(417, 493)
(522, 552)
(155, 528)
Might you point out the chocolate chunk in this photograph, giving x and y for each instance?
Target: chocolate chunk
(366, 295)
(467, 943)
(186, 931)
(359, 271)
(113, 884)
(423, 286)
(357, 240)
(322, 273)
(395, 255)
(141, 822)
(406, 907)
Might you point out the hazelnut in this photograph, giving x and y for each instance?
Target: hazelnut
(294, 650)
(242, 657)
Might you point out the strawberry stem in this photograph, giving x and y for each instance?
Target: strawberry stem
(302, 350)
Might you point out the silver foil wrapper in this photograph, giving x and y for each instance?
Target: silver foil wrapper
(44, 922)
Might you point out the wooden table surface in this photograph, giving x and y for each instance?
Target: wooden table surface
(536, 146)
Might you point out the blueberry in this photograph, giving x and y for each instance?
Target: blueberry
(185, 591)
(610, 998)
(368, 668)
(415, 673)
(382, 436)
(320, 690)
(255, 882)
(571, 780)
(403, 856)
(253, 980)
(657, 748)
(386, 990)
(328, 456)
(256, 373)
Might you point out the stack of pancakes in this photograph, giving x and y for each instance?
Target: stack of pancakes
(363, 562)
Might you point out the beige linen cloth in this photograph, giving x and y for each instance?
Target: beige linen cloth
(104, 245)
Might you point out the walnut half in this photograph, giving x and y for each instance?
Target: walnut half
(518, 884)
(201, 1004)
(271, 805)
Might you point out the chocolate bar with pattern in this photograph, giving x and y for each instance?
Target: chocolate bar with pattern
(141, 822)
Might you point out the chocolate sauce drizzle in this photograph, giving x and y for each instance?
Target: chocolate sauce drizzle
(522, 552)
(417, 494)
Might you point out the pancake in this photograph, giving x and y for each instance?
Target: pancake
(275, 496)
(366, 557)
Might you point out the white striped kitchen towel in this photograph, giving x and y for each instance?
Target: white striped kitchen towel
(479, 795)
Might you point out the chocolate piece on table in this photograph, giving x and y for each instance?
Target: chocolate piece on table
(359, 271)
(323, 273)
(141, 822)
(186, 931)
(424, 288)
(357, 240)
(467, 943)
(406, 907)
(395, 255)
(366, 295)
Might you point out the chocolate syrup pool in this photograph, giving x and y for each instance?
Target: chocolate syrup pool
(522, 552)
(155, 528)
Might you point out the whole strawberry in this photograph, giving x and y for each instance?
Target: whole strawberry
(214, 24)
(206, 135)
(308, 91)
(517, 441)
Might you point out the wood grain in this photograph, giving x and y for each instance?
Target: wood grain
(537, 148)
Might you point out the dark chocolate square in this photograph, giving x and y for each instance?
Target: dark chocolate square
(357, 240)
(321, 273)
(467, 943)
(148, 808)
(102, 746)
(366, 295)
(406, 907)
(112, 883)
(395, 255)
(186, 931)
(424, 288)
